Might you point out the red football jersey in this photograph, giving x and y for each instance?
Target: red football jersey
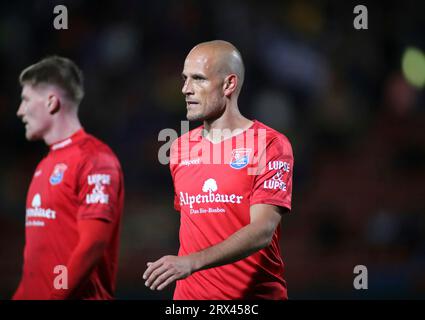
(215, 185)
(80, 178)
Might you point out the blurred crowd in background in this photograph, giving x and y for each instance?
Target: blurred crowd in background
(339, 94)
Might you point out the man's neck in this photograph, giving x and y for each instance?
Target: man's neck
(229, 124)
(62, 128)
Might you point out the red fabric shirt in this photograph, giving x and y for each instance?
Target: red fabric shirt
(80, 178)
(215, 185)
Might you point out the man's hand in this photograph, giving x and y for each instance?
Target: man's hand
(253, 237)
(164, 271)
(94, 236)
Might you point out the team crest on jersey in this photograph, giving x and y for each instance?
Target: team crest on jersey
(240, 158)
(57, 174)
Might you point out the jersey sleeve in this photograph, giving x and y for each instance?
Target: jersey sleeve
(99, 188)
(273, 185)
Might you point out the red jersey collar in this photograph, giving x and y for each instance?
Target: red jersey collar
(68, 141)
(197, 134)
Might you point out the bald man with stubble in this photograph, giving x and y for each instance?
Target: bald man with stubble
(233, 183)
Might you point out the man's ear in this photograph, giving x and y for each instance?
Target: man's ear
(230, 84)
(53, 104)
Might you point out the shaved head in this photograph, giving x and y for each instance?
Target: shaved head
(213, 74)
(223, 58)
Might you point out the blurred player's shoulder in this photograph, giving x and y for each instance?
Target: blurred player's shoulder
(92, 147)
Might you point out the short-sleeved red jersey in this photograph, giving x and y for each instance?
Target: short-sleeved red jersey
(215, 185)
(80, 178)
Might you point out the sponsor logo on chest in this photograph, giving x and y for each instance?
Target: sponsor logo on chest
(190, 162)
(210, 195)
(36, 211)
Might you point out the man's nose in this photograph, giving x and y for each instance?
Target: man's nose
(20, 112)
(187, 87)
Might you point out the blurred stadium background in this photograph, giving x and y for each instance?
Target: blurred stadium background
(351, 102)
